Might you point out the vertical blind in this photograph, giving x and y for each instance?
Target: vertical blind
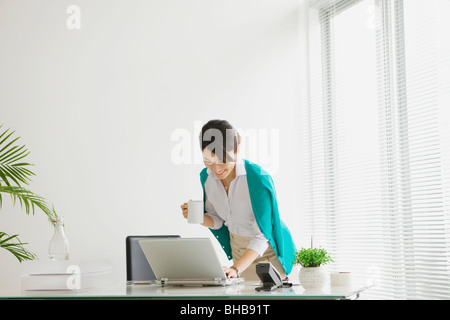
(377, 142)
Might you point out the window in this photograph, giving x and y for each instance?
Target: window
(377, 142)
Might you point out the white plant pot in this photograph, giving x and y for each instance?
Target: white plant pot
(314, 277)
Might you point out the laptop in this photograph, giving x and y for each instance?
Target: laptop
(138, 269)
(185, 261)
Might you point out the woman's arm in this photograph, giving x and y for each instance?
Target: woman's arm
(246, 260)
(257, 246)
(208, 221)
(243, 263)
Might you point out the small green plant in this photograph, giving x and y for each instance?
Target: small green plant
(310, 258)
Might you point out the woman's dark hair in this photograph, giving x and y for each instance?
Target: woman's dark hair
(219, 137)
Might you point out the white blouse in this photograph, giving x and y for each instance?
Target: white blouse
(234, 209)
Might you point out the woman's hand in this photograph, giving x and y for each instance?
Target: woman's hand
(230, 272)
(184, 209)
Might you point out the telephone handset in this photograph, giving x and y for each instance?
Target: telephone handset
(269, 276)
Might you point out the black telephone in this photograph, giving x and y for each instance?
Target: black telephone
(269, 276)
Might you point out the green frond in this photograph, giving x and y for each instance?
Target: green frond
(12, 169)
(16, 247)
(29, 200)
(14, 172)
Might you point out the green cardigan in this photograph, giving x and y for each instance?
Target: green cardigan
(265, 208)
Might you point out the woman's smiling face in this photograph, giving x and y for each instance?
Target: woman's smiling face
(212, 162)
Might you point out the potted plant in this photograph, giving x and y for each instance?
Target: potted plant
(14, 173)
(312, 274)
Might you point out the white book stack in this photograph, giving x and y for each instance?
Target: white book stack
(68, 275)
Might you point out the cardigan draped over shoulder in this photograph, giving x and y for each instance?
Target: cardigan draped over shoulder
(265, 208)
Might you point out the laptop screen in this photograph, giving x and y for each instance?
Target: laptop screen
(138, 268)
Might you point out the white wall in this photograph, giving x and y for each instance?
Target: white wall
(98, 107)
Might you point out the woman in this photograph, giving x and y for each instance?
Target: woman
(240, 205)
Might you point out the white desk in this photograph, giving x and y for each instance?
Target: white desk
(243, 291)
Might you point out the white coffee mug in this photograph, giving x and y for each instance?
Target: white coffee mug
(195, 211)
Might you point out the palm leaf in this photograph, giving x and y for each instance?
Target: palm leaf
(29, 200)
(13, 173)
(12, 169)
(16, 247)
